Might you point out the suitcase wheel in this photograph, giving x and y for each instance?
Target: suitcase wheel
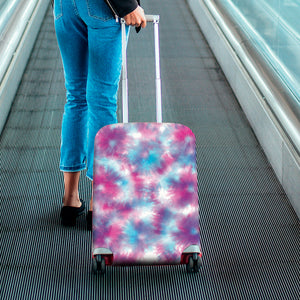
(98, 264)
(194, 263)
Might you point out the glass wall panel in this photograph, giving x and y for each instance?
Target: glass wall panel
(273, 26)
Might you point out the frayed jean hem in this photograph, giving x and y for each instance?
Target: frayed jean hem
(73, 169)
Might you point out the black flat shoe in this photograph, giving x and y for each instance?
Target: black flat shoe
(69, 214)
(89, 220)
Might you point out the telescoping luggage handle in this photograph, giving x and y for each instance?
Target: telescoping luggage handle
(155, 20)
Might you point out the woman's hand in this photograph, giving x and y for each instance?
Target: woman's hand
(136, 18)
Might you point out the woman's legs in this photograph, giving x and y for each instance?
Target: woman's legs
(71, 196)
(90, 43)
(71, 35)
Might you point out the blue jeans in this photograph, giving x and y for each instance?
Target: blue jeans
(89, 40)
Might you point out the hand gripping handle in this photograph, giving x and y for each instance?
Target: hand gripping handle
(155, 20)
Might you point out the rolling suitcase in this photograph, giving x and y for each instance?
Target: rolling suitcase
(145, 208)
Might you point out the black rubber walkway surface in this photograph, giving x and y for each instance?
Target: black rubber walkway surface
(249, 231)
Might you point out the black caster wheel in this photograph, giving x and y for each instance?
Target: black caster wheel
(194, 263)
(197, 264)
(94, 265)
(102, 266)
(190, 265)
(98, 265)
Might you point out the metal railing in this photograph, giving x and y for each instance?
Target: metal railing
(19, 24)
(282, 93)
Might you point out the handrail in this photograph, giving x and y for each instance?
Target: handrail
(19, 23)
(276, 94)
(13, 33)
(6, 11)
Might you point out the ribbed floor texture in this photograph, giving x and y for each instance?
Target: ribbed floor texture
(249, 231)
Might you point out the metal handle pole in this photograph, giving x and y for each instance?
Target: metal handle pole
(155, 20)
(124, 74)
(157, 73)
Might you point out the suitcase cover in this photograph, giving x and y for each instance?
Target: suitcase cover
(145, 208)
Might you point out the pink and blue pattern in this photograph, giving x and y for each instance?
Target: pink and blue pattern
(145, 192)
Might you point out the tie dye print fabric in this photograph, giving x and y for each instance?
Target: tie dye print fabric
(145, 192)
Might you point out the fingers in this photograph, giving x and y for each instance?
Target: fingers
(136, 18)
(143, 19)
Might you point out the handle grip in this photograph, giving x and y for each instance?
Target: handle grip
(152, 18)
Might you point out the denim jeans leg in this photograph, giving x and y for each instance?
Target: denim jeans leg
(105, 63)
(71, 36)
(91, 47)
